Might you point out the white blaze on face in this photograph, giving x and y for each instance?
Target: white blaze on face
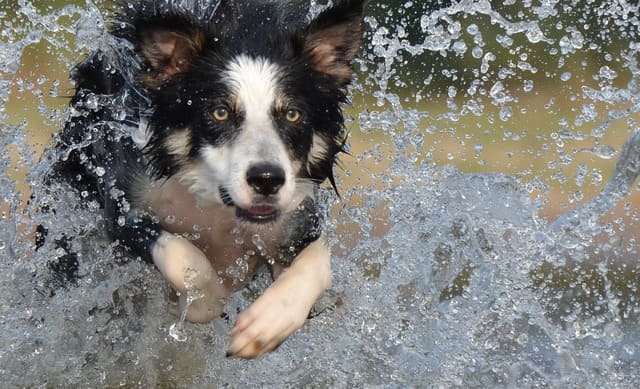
(254, 82)
(255, 92)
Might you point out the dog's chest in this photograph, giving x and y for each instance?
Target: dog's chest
(213, 228)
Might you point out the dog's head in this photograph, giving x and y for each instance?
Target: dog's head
(246, 100)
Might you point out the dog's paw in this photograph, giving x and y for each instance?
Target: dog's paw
(284, 306)
(266, 324)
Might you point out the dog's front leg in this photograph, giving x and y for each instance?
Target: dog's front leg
(284, 306)
(190, 273)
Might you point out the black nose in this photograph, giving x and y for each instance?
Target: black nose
(266, 179)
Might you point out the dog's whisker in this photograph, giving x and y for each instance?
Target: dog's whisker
(306, 186)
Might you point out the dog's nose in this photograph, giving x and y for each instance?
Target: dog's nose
(266, 179)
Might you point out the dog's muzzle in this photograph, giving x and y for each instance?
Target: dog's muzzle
(265, 180)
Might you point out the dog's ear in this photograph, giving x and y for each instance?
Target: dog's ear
(168, 52)
(332, 40)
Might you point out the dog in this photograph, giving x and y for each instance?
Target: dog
(204, 130)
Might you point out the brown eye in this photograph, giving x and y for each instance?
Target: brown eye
(221, 114)
(293, 115)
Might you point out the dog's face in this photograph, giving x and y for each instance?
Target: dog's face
(246, 108)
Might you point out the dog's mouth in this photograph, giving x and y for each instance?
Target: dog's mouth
(260, 213)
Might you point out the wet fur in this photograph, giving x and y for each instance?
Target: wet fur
(190, 191)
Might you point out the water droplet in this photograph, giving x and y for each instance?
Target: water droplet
(505, 113)
(91, 102)
(504, 40)
(601, 150)
(528, 85)
(534, 34)
(259, 243)
(459, 47)
(177, 332)
(452, 91)
(477, 52)
(496, 88)
(607, 73)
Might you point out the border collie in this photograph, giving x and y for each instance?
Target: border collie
(204, 129)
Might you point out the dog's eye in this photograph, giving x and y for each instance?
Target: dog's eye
(293, 115)
(221, 114)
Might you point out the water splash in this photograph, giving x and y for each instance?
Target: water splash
(177, 330)
(441, 278)
(619, 186)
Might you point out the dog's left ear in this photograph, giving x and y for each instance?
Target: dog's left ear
(168, 51)
(332, 40)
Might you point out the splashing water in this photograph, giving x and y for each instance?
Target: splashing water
(516, 267)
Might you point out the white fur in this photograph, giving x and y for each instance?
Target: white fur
(254, 87)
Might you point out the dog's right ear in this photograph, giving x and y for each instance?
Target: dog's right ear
(333, 38)
(168, 52)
